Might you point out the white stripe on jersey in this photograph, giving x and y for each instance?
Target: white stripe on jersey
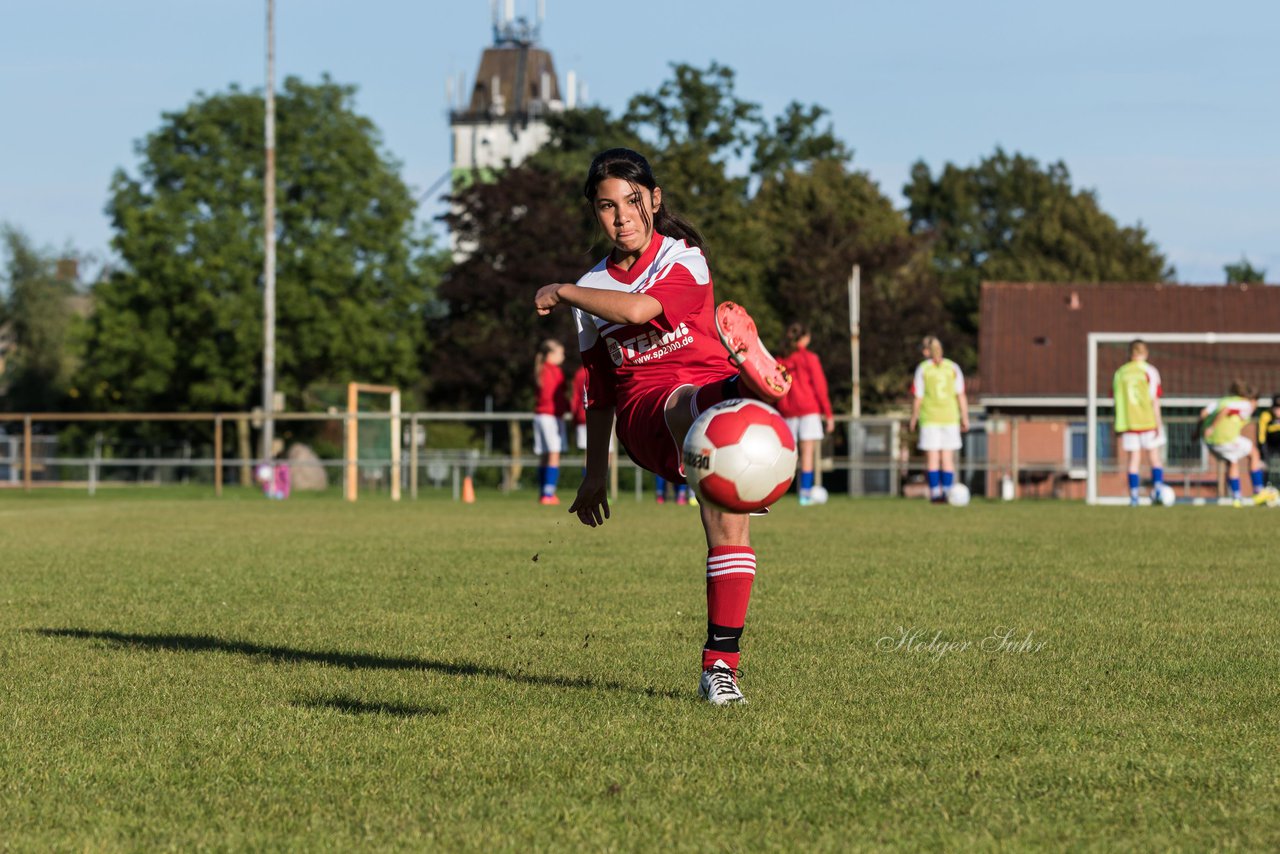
(670, 253)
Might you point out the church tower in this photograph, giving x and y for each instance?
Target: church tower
(501, 120)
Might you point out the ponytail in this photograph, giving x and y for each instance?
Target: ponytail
(539, 360)
(669, 224)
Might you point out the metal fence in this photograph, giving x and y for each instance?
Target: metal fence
(1003, 456)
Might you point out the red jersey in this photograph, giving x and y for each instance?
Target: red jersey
(628, 365)
(551, 392)
(808, 395)
(578, 396)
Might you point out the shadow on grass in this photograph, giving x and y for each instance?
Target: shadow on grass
(352, 706)
(350, 660)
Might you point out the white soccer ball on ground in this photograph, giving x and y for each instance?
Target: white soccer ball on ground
(818, 495)
(1166, 495)
(740, 456)
(958, 495)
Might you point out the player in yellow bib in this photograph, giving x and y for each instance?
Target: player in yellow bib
(1222, 428)
(1136, 391)
(939, 406)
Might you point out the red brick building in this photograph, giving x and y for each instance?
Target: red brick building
(1033, 364)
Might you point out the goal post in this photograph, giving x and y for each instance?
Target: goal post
(352, 445)
(1202, 380)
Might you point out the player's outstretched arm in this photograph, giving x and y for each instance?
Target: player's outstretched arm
(591, 505)
(613, 306)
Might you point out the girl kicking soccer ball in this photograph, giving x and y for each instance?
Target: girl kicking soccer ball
(654, 345)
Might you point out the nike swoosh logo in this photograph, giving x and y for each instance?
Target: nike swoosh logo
(718, 638)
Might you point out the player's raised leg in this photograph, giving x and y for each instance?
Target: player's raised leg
(763, 377)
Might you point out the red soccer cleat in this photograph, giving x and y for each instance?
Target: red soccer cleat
(549, 500)
(764, 375)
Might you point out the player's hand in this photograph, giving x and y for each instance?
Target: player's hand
(911, 426)
(547, 298)
(831, 424)
(964, 425)
(592, 501)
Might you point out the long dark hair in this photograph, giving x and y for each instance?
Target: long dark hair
(630, 166)
(795, 332)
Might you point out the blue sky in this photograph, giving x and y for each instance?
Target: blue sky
(1168, 110)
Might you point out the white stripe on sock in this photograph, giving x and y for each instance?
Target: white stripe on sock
(741, 570)
(733, 556)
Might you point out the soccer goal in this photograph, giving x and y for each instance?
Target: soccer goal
(372, 430)
(1196, 369)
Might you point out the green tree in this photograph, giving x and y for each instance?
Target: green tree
(36, 308)
(1010, 219)
(818, 224)
(1243, 273)
(179, 325)
(525, 229)
(769, 247)
(796, 140)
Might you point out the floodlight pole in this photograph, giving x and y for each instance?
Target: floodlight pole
(855, 337)
(269, 248)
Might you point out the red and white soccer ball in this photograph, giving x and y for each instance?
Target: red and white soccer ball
(740, 456)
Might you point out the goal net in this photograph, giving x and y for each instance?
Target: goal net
(372, 447)
(1196, 370)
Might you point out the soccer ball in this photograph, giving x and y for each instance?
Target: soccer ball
(958, 495)
(740, 456)
(819, 495)
(1166, 495)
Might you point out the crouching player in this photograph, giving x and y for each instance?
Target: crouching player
(1222, 428)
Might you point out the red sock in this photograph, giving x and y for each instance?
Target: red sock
(730, 571)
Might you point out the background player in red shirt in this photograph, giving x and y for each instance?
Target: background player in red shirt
(548, 417)
(653, 342)
(578, 407)
(807, 407)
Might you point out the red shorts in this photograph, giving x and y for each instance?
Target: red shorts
(642, 427)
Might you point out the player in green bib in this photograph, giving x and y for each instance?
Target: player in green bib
(1222, 428)
(939, 406)
(1136, 390)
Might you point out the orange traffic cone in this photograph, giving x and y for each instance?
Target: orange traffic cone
(468, 491)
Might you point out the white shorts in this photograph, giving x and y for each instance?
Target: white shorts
(1145, 440)
(580, 436)
(549, 434)
(1234, 451)
(942, 437)
(807, 428)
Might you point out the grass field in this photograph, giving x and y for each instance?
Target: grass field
(178, 671)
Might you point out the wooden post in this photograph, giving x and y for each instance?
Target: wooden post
(396, 471)
(217, 455)
(353, 441)
(413, 456)
(517, 449)
(242, 450)
(26, 452)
